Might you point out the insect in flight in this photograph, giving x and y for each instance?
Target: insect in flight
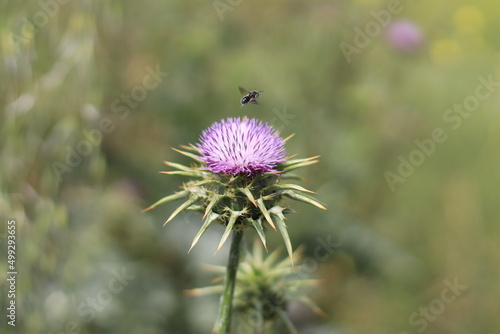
(250, 96)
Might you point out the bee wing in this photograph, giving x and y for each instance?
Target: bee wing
(254, 102)
(243, 90)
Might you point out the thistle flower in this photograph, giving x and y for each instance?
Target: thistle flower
(236, 146)
(239, 176)
(404, 36)
(266, 287)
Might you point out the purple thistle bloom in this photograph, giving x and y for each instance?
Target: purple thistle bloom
(404, 36)
(241, 146)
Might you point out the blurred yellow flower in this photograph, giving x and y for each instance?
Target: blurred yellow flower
(445, 50)
(468, 19)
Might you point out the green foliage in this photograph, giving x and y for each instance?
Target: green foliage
(76, 82)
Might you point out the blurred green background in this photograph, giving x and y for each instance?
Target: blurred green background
(76, 84)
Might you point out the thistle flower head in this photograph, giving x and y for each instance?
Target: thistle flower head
(241, 146)
(404, 36)
(239, 177)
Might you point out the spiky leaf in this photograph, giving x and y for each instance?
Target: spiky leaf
(292, 162)
(209, 290)
(263, 209)
(309, 302)
(270, 261)
(196, 207)
(289, 186)
(170, 198)
(260, 231)
(191, 147)
(192, 173)
(298, 163)
(279, 218)
(302, 198)
(191, 155)
(213, 201)
(207, 222)
(183, 206)
(203, 183)
(248, 194)
(178, 166)
(288, 323)
(291, 176)
(229, 227)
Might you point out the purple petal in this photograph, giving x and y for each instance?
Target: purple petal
(241, 146)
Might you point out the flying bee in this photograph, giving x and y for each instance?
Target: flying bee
(250, 96)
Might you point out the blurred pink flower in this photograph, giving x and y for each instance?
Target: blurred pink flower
(404, 36)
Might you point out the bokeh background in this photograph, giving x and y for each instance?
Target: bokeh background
(89, 261)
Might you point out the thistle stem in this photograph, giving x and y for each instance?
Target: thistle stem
(226, 304)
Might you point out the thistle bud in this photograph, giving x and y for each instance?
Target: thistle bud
(266, 287)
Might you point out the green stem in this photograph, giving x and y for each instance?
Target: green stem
(226, 305)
